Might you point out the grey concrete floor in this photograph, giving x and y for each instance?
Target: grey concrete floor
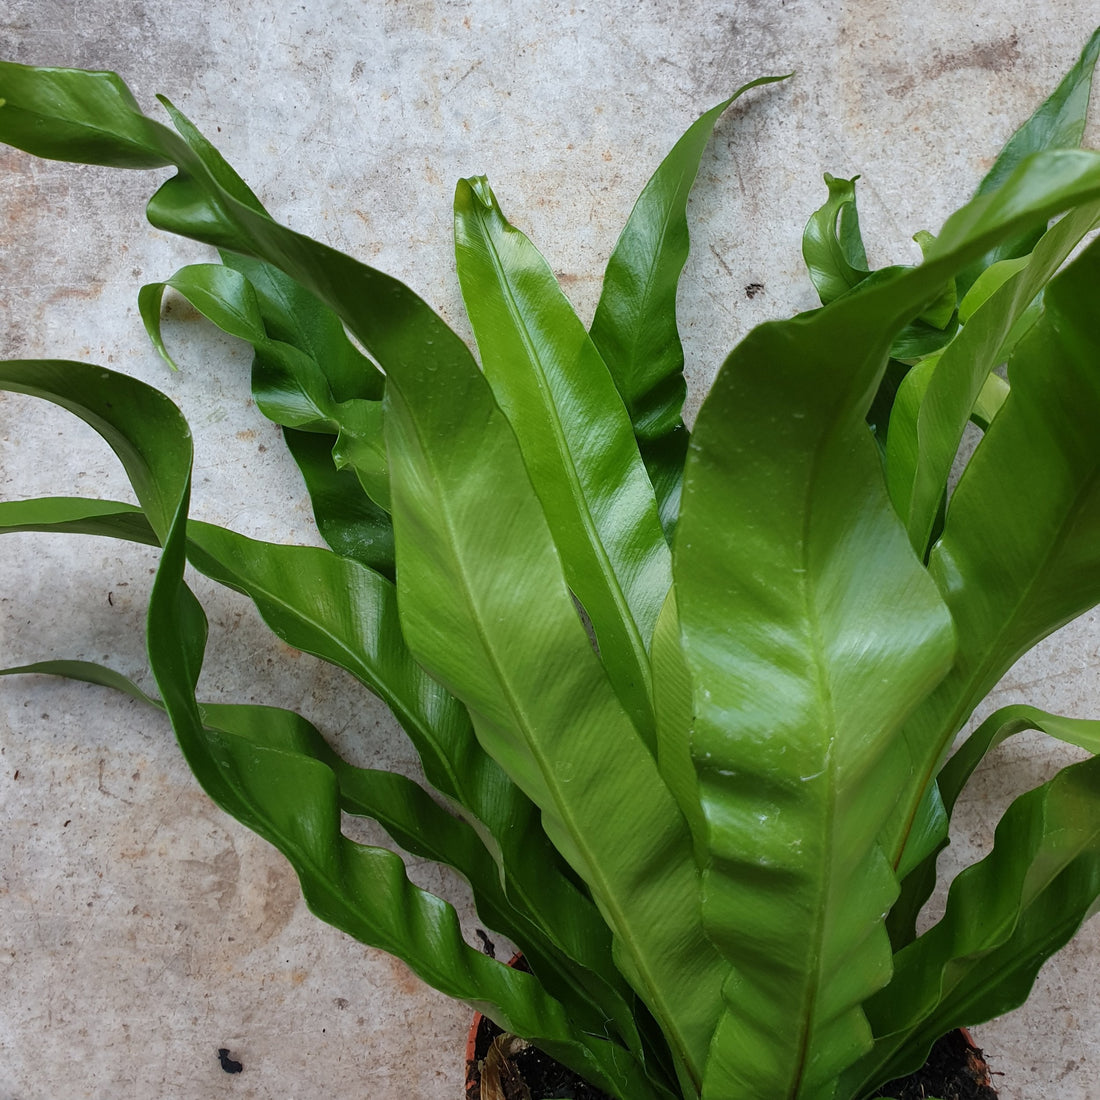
(140, 929)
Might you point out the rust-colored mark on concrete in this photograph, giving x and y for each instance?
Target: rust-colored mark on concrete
(998, 56)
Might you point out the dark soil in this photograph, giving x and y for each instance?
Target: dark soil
(955, 1070)
(545, 1078)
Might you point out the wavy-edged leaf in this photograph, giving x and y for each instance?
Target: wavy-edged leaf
(811, 631)
(634, 328)
(349, 521)
(780, 442)
(485, 607)
(220, 294)
(218, 167)
(411, 817)
(364, 891)
(921, 850)
(832, 248)
(290, 386)
(205, 201)
(949, 391)
(425, 829)
(191, 204)
(291, 800)
(391, 321)
(1084, 733)
(315, 601)
(832, 244)
(575, 436)
(1038, 459)
(291, 314)
(415, 821)
(341, 612)
(140, 424)
(348, 518)
(1058, 123)
(1005, 917)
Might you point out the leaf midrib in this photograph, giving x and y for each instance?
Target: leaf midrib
(624, 615)
(379, 684)
(609, 898)
(827, 712)
(642, 310)
(965, 695)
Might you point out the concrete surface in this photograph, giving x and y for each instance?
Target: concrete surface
(140, 929)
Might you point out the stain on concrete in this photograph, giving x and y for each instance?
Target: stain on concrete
(998, 56)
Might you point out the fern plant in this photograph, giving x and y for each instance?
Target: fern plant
(685, 701)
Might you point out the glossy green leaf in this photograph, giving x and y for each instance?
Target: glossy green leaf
(833, 250)
(918, 480)
(411, 817)
(291, 314)
(341, 612)
(425, 829)
(921, 850)
(290, 386)
(675, 709)
(218, 293)
(1058, 123)
(1038, 459)
(832, 244)
(990, 281)
(203, 202)
(780, 441)
(731, 784)
(140, 424)
(92, 120)
(939, 313)
(575, 436)
(1005, 916)
(420, 825)
(349, 521)
(902, 445)
(218, 167)
(77, 516)
(289, 799)
(811, 631)
(476, 566)
(1084, 733)
(634, 328)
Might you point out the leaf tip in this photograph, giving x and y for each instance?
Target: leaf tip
(478, 187)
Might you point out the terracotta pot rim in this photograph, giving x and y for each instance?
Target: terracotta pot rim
(471, 1041)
